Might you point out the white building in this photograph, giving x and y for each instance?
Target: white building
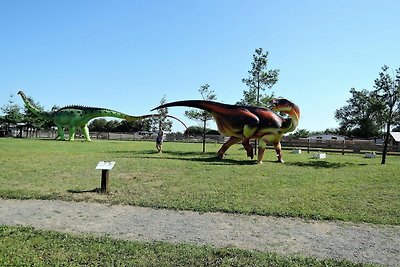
(396, 137)
(326, 137)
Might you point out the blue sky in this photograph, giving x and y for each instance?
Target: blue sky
(126, 55)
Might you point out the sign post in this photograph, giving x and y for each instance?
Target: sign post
(105, 167)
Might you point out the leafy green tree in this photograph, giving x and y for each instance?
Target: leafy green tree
(387, 89)
(199, 130)
(134, 126)
(12, 113)
(103, 125)
(260, 78)
(33, 120)
(98, 125)
(111, 125)
(161, 121)
(300, 133)
(202, 115)
(361, 117)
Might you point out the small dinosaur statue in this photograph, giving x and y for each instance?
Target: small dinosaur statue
(242, 123)
(74, 116)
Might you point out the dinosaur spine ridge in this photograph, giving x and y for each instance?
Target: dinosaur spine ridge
(93, 112)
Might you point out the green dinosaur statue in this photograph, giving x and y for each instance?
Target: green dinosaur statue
(73, 117)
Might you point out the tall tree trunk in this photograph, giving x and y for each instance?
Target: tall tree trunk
(387, 136)
(386, 144)
(204, 136)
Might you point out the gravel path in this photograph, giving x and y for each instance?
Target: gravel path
(363, 243)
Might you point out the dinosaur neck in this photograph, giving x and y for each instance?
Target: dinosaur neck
(32, 107)
(292, 122)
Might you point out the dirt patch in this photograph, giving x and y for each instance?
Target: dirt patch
(362, 243)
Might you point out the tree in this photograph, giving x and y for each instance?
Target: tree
(134, 126)
(388, 91)
(161, 121)
(202, 115)
(197, 130)
(98, 125)
(12, 113)
(300, 133)
(111, 125)
(33, 120)
(259, 79)
(361, 116)
(104, 125)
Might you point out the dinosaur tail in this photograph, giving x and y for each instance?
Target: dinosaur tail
(210, 106)
(33, 108)
(135, 118)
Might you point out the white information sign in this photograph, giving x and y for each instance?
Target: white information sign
(105, 165)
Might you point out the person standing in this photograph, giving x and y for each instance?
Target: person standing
(159, 140)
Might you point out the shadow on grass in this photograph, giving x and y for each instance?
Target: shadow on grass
(188, 153)
(152, 152)
(208, 157)
(134, 152)
(321, 164)
(94, 190)
(209, 160)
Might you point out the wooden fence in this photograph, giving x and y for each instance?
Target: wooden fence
(345, 146)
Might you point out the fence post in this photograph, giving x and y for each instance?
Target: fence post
(308, 145)
(343, 145)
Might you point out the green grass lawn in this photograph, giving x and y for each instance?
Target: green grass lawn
(22, 246)
(349, 187)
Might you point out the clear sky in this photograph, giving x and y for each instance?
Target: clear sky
(126, 55)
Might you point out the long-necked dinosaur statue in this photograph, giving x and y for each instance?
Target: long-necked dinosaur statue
(242, 123)
(72, 117)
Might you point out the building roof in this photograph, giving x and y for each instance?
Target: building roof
(396, 136)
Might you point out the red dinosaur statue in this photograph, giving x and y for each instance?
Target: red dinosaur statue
(242, 123)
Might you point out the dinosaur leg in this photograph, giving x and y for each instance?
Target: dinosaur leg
(231, 141)
(60, 132)
(278, 149)
(71, 133)
(248, 132)
(248, 147)
(261, 149)
(85, 131)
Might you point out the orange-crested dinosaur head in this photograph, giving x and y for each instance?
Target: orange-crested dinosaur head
(284, 105)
